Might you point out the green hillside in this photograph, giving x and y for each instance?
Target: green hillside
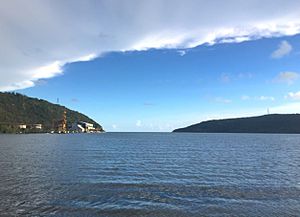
(275, 123)
(18, 109)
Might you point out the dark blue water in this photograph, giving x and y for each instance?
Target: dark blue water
(150, 174)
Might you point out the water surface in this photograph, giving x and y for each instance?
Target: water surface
(150, 174)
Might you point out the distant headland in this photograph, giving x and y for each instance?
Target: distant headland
(22, 114)
(273, 123)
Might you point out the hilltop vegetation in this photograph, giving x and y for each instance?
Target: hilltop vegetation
(18, 109)
(275, 123)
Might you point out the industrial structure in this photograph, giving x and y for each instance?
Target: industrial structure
(82, 127)
(61, 125)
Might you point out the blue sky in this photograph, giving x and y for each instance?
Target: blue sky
(140, 65)
(161, 89)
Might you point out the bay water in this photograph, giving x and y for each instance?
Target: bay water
(150, 174)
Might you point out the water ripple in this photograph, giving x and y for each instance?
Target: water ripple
(150, 174)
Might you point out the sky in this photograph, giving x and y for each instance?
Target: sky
(157, 65)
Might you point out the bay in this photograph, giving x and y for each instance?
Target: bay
(150, 174)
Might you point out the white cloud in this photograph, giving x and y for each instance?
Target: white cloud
(47, 71)
(38, 38)
(138, 123)
(222, 100)
(259, 98)
(284, 48)
(227, 78)
(85, 58)
(287, 77)
(114, 126)
(293, 96)
(266, 98)
(181, 52)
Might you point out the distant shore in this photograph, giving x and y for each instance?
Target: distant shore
(274, 123)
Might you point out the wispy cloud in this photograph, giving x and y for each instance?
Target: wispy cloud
(225, 78)
(258, 98)
(245, 97)
(181, 52)
(284, 48)
(246, 75)
(265, 98)
(287, 77)
(293, 96)
(38, 46)
(222, 100)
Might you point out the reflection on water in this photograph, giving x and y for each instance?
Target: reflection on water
(150, 174)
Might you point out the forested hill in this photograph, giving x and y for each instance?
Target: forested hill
(19, 109)
(275, 123)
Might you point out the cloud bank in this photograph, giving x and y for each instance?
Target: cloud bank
(38, 38)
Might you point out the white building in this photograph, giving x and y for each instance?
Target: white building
(87, 126)
(22, 126)
(82, 127)
(37, 126)
(76, 127)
